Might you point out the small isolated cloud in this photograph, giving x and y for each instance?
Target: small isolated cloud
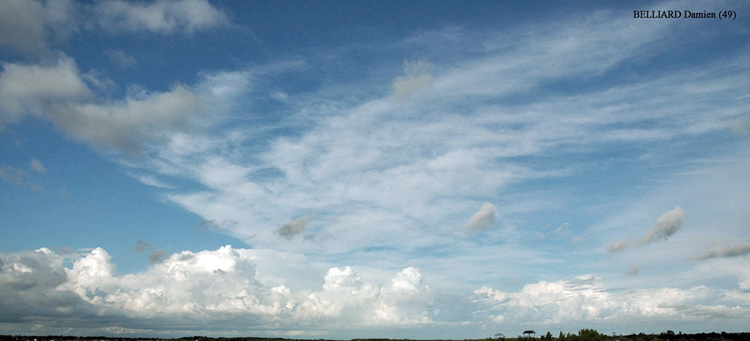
(563, 230)
(668, 224)
(482, 219)
(37, 166)
(155, 255)
(617, 246)
(734, 250)
(416, 77)
(634, 270)
(295, 227)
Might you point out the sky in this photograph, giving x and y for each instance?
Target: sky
(401, 169)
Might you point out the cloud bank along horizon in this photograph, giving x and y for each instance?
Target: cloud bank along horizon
(192, 167)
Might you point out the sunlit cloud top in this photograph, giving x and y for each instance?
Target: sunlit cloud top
(272, 168)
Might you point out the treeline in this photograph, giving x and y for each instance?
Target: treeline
(582, 335)
(593, 335)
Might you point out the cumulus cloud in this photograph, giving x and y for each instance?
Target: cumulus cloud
(29, 283)
(667, 224)
(406, 299)
(482, 219)
(586, 300)
(35, 89)
(158, 16)
(295, 227)
(208, 286)
(732, 250)
(220, 289)
(127, 124)
(58, 93)
(22, 26)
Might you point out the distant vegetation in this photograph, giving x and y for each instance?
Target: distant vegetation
(583, 335)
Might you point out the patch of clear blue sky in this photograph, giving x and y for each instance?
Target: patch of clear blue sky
(87, 201)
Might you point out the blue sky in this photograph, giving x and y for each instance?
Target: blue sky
(372, 169)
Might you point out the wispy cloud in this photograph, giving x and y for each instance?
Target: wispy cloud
(732, 250)
(38, 166)
(389, 163)
(159, 16)
(121, 58)
(416, 77)
(12, 175)
(18, 177)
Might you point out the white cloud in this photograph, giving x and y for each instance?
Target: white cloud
(29, 283)
(406, 299)
(31, 27)
(158, 16)
(380, 166)
(22, 26)
(34, 89)
(482, 219)
(222, 289)
(59, 94)
(209, 286)
(586, 301)
(128, 124)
